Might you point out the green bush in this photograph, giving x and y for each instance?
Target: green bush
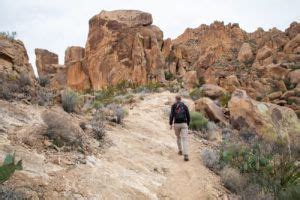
(225, 99)
(44, 80)
(9, 167)
(70, 100)
(169, 76)
(273, 170)
(198, 121)
(197, 93)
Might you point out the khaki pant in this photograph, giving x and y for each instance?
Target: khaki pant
(181, 132)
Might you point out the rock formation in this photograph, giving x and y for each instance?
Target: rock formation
(47, 65)
(123, 45)
(16, 73)
(77, 77)
(262, 62)
(269, 121)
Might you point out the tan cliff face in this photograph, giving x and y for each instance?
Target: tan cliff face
(77, 76)
(14, 59)
(123, 45)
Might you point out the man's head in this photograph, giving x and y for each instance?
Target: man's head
(178, 98)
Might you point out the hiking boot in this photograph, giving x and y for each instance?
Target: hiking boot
(180, 153)
(186, 158)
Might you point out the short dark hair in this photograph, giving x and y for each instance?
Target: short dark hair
(178, 98)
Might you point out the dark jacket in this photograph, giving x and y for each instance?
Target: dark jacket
(172, 114)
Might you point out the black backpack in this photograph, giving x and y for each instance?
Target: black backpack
(180, 114)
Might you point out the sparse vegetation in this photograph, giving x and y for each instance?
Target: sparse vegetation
(9, 167)
(198, 121)
(210, 158)
(44, 80)
(169, 76)
(98, 125)
(44, 97)
(267, 165)
(225, 99)
(9, 35)
(197, 93)
(70, 100)
(232, 179)
(24, 80)
(61, 131)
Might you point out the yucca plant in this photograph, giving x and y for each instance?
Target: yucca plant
(9, 167)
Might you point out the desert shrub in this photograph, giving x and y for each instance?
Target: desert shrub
(70, 100)
(24, 80)
(61, 130)
(44, 97)
(44, 80)
(97, 104)
(5, 92)
(232, 179)
(197, 93)
(153, 87)
(225, 99)
(288, 84)
(210, 158)
(291, 101)
(198, 121)
(9, 167)
(120, 114)
(9, 35)
(268, 165)
(169, 76)
(98, 125)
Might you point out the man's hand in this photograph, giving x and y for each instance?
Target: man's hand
(171, 127)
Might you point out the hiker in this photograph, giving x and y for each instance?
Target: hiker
(181, 117)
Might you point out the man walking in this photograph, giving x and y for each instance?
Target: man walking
(181, 117)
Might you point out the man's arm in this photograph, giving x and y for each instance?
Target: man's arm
(171, 116)
(187, 115)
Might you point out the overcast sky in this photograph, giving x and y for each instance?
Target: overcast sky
(57, 24)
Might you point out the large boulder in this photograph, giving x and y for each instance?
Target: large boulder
(77, 77)
(211, 110)
(245, 54)
(212, 91)
(48, 66)
(294, 76)
(17, 78)
(123, 45)
(293, 46)
(266, 120)
(190, 79)
(46, 61)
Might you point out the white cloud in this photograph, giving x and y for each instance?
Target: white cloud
(57, 24)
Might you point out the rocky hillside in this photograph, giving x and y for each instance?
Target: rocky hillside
(124, 45)
(96, 127)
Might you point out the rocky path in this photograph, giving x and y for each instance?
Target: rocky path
(142, 162)
(146, 151)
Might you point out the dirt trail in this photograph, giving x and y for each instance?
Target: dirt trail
(142, 162)
(149, 144)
